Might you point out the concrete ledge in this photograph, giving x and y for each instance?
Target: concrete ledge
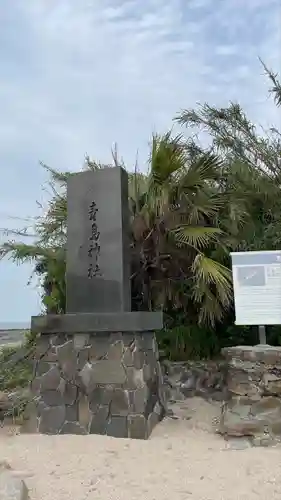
(95, 322)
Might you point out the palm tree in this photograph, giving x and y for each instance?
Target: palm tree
(175, 230)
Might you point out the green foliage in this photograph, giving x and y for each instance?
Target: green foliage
(14, 374)
(30, 339)
(182, 343)
(186, 342)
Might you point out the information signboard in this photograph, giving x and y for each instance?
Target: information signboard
(257, 287)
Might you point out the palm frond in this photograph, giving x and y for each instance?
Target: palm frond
(205, 168)
(201, 206)
(211, 310)
(167, 156)
(212, 288)
(197, 237)
(211, 272)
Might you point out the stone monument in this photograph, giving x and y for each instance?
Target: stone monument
(97, 368)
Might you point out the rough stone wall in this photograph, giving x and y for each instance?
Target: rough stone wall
(254, 385)
(206, 379)
(98, 384)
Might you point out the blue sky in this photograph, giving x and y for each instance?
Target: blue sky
(77, 76)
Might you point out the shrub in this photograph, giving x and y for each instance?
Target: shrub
(15, 368)
(30, 338)
(188, 342)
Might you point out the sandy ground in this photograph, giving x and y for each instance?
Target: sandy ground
(183, 459)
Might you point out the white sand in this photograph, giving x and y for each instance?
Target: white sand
(182, 460)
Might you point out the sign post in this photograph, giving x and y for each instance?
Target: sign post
(262, 334)
(257, 289)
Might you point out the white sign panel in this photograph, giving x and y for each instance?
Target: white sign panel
(257, 287)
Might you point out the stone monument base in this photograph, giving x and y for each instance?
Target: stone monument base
(254, 384)
(98, 382)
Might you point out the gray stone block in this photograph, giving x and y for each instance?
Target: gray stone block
(80, 340)
(158, 409)
(67, 358)
(71, 413)
(83, 357)
(103, 372)
(52, 420)
(70, 394)
(84, 412)
(73, 428)
(117, 427)
(99, 347)
(86, 382)
(150, 360)
(128, 338)
(43, 347)
(42, 367)
(140, 399)
(145, 341)
(153, 397)
(100, 396)
(137, 427)
(50, 380)
(99, 421)
(115, 351)
(52, 398)
(35, 385)
(40, 407)
(59, 338)
(50, 356)
(120, 402)
(134, 378)
(69, 369)
(138, 357)
(128, 359)
(147, 372)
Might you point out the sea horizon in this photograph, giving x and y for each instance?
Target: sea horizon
(14, 325)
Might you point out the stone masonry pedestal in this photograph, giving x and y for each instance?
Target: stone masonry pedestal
(254, 385)
(106, 380)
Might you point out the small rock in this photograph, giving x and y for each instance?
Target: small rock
(238, 443)
(264, 441)
(4, 465)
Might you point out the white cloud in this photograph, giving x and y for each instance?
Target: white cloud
(227, 50)
(78, 76)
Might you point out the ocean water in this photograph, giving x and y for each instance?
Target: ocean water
(14, 325)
